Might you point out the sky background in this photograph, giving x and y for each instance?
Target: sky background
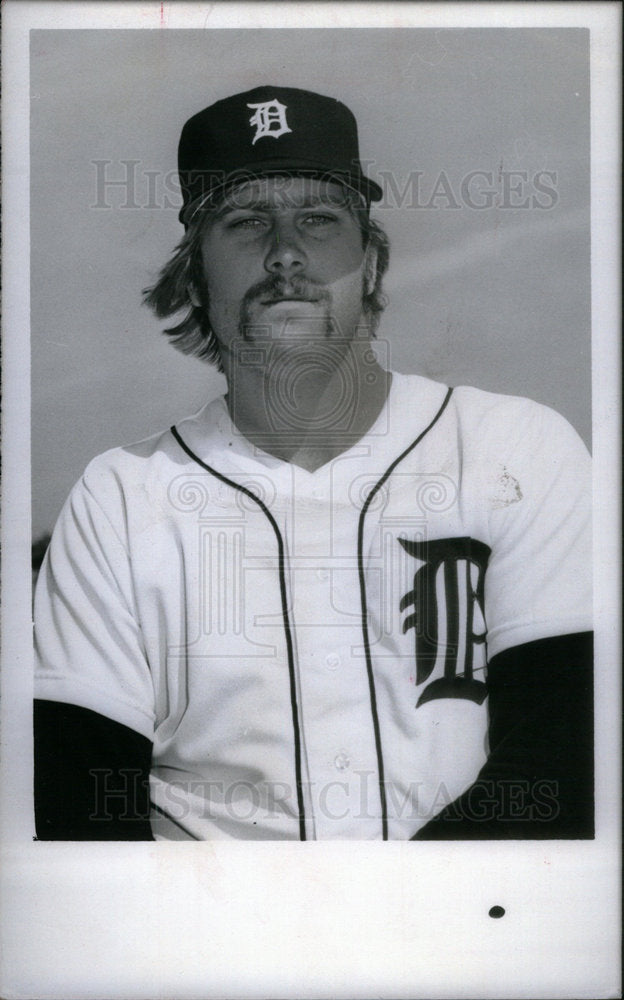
(497, 297)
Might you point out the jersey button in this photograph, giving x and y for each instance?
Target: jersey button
(318, 493)
(332, 661)
(342, 761)
(322, 574)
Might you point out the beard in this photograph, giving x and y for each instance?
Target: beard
(275, 288)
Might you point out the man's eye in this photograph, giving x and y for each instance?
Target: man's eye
(248, 222)
(319, 219)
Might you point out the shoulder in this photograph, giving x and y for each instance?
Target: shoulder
(136, 475)
(479, 404)
(157, 453)
(497, 445)
(513, 424)
(125, 470)
(481, 418)
(514, 448)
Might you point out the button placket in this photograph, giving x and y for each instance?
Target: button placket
(334, 690)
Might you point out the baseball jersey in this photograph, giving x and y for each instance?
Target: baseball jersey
(307, 651)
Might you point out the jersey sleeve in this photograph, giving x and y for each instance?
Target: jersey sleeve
(88, 643)
(539, 578)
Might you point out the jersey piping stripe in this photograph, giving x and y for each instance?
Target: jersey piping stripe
(286, 617)
(172, 820)
(369, 663)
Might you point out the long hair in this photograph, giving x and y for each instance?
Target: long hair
(194, 334)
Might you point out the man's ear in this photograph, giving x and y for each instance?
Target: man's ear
(193, 295)
(370, 269)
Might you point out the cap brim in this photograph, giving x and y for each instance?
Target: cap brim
(354, 181)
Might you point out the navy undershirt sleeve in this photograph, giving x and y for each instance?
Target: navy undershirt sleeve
(91, 779)
(538, 782)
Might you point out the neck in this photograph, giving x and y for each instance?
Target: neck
(308, 413)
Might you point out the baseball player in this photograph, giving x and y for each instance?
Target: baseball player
(339, 601)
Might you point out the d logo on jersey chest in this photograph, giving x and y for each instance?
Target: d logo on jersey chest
(455, 568)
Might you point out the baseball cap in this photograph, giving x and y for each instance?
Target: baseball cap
(267, 131)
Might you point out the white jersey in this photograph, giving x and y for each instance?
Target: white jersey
(307, 650)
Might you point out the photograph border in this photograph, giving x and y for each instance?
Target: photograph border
(319, 920)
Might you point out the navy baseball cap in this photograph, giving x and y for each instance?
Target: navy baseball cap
(267, 131)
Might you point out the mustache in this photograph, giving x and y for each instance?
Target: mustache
(275, 287)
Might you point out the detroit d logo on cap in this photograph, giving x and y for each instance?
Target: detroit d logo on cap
(269, 119)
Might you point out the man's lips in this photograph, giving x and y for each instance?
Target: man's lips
(282, 297)
(287, 298)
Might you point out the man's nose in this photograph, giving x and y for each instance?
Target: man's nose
(285, 255)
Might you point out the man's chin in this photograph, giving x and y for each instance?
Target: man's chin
(288, 329)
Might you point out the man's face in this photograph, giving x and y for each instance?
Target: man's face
(283, 260)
